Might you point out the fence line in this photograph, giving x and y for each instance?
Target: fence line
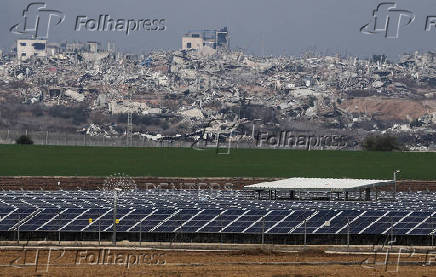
(95, 227)
(69, 139)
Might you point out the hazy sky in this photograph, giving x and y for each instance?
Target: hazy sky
(278, 26)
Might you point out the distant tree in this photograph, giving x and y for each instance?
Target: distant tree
(24, 140)
(164, 125)
(79, 115)
(19, 85)
(37, 111)
(382, 143)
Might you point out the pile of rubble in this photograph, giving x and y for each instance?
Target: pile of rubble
(196, 86)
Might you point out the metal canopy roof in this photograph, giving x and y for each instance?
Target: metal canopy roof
(319, 184)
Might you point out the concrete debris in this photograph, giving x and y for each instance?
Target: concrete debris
(75, 95)
(94, 130)
(378, 84)
(119, 107)
(193, 114)
(192, 87)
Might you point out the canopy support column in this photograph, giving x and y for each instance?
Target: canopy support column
(367, 194)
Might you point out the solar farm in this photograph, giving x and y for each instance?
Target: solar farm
(205, 215)
(198, 211)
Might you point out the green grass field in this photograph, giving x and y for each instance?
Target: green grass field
(19, 160)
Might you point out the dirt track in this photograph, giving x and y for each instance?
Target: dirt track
(255, 262)
(89, 183)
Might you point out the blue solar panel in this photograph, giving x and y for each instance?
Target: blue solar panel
(213, 211)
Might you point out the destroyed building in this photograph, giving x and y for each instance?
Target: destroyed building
(178, 92)
(218, 38)
(27, 48)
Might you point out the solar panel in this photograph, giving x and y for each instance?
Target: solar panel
(214, 211)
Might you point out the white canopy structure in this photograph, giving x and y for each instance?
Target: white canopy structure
(319, 184)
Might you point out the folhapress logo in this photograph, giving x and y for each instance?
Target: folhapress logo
(105, 23)
(387, 19)
(37, 20)
(216, 129)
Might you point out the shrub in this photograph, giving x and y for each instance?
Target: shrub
(381, 143)
(165, 125)
(24, 140)
(139, 119)
(77, 114)
(37, 111)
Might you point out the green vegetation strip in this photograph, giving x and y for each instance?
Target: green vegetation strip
(34, 160)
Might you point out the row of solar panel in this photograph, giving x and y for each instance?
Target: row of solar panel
(200, 199)
(220, 221)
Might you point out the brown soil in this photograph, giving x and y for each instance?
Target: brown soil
(89, 183)
(202, 263)
(71, 183)
(387, 109)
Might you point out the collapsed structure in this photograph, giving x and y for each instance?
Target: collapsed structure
(179, 93)
(206, 38)
(27, 48)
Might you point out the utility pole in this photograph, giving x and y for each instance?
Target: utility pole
(395, 182)
(99, 232)
(392, 232)
(432, 234)
(263, 230)
(114, 234)
(130, 123)
(18, 229)
(348, 233)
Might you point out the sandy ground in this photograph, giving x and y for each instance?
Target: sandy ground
(389, 109)
(106, 261)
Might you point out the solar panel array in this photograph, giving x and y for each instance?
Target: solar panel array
(213, 212)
